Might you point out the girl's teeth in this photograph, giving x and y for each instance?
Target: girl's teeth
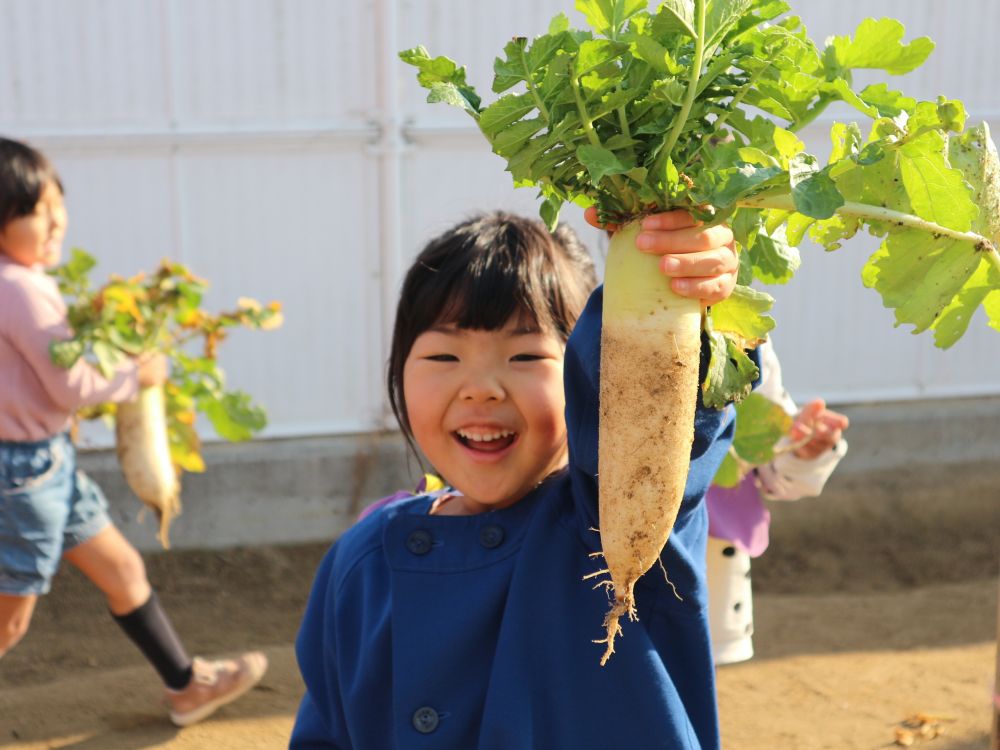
(486, 437)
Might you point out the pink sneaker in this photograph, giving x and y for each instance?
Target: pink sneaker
(213, 685)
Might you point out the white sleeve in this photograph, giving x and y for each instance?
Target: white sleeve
(789, 477)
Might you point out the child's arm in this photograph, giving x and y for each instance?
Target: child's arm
(813, 448)
(35, 323)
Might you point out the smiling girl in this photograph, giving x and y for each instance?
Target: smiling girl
(460, 618)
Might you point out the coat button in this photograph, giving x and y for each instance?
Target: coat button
(419, 542)
(491, 536)
(425, 720)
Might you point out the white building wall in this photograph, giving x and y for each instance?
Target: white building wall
(281, 149)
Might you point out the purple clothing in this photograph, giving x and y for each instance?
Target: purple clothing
(739, 515)
(402, 495)
(383, 502)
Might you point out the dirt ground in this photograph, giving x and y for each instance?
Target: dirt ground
(838, 665)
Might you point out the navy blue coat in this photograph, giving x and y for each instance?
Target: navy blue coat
(476, 632)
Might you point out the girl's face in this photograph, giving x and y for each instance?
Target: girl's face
(486, 408)
(37, 237)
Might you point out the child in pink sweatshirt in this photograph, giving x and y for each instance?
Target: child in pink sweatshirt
(48, 509)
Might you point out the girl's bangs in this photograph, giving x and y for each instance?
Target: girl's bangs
(486, 295)
(474, 309)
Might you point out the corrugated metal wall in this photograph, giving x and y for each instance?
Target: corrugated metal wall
(279, 148)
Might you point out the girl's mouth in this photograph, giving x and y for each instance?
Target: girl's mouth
(486, 442)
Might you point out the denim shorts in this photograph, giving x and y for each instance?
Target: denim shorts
(47, 507)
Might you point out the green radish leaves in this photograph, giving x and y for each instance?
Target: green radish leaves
(694, 104)
(760, 424)
(878, 44)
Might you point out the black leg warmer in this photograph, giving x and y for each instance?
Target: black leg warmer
(150, 630)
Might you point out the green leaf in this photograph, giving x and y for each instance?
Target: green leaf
(549, 211)
(449, 93)
(763, 10)
(814, 193)
(655, 54)
(975, 155)
(760, 423)
(742, 316)
(608, 17)
(80, 264)
(511, 71)
(669, 90)
(954, 320)
(919, 274)
(841, 89)
(739, 182)
(504, 112)
(937, 192)
(234, 416)
(673, 17)
(992, 306)
(66, 353)
(774, 260)
(509, 142)
(830, 233)
(108, 358)
(720, 18)
(728, 475)
(600, 162)
(746, 225)
(878, 44)
(730, 372)
(595, 54)
(444, 79)
(888, 103)
(521, 164)
(559, 24)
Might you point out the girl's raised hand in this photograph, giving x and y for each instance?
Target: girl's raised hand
(817, 428)
(153, 369)
(701, 262)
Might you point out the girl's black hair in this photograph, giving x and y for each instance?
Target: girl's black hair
(24, 174)
(480, 273)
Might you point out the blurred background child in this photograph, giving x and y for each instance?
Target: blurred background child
(739, 521)
(49, 510)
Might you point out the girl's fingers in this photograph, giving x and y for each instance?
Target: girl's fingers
(669, 221)
(835, 420)
(710, 289)
(716, 261)
(687, 239)
(590, 215)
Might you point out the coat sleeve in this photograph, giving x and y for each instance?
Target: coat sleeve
(320, 723)
(39, 323)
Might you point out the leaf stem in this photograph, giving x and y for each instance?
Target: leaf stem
(817, 109)
(785, 202)
(542, 109)
(595, 140)
(623, 123)
(733, 104)
(692, 90)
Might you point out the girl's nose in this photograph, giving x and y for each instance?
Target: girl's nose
(481, 388)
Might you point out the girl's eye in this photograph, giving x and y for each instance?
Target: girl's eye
(442, 358)
(526, 358)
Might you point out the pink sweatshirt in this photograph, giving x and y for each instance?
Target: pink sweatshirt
(37, 398)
